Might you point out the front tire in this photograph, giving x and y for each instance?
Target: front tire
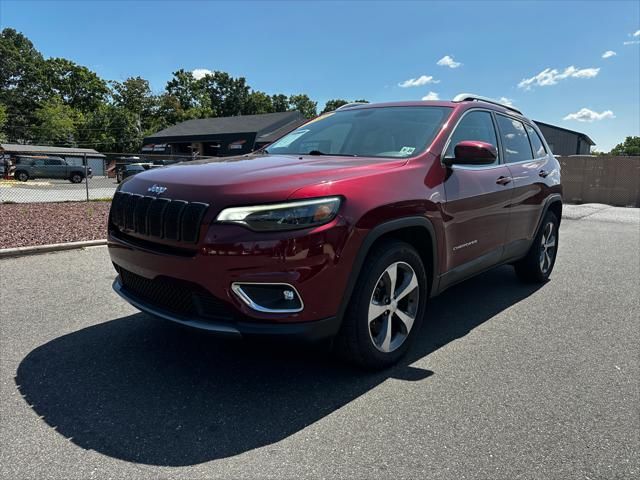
(539, 262)
(75, 178)
(386, 308)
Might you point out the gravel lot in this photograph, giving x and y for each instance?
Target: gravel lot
(29, 224)
(506, 381)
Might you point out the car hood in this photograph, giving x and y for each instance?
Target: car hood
(253, 178)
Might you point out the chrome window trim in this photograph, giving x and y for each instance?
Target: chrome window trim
(237, 289)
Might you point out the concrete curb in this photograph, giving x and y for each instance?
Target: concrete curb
(55, 247)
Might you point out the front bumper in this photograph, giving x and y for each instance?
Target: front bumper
(303, 331)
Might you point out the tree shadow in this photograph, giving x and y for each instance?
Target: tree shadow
(146, 391)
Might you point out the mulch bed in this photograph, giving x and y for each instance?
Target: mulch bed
(27, 224)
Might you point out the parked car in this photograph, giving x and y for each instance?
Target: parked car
(129, 169)
(343, 228)
(30, 167)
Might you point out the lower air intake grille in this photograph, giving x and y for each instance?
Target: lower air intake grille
(176, 296)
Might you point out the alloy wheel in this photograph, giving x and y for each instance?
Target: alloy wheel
(393, 307)
(547, 248)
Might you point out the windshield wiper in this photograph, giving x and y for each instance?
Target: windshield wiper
(318, 152)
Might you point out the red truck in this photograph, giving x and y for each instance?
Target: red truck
(345, 227)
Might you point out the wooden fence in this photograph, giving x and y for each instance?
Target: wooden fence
(602, 179)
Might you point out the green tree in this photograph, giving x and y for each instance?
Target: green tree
(280, 102)
(226, 95)
(630, 146)
(56, 123)
(334, 104)
(3, 121)
(185, 90)
(303, 104)
(135, 96)
(21, 83)
(257, 102)
(77, 86)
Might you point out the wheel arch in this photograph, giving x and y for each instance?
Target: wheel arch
(416, 231)
(553, 204)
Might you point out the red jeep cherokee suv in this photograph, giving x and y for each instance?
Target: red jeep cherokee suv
(342, 228)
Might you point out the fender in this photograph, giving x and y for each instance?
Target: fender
(551, 199)
(375, 234)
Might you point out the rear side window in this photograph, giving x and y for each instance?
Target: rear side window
(536, 143)
(476, 126)
(515, 140)
(52, 162)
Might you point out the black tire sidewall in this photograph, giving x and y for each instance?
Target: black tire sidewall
(73, 177)
(380, 259)
(19, 176)
(550, 217)
(528, 269)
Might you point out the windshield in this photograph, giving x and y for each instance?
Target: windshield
(386, 132)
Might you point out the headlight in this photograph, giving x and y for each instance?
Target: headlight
(283, 216)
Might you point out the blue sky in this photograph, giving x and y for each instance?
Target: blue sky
(332, 49)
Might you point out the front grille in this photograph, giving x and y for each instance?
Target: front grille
(176, 296)
(175, 220)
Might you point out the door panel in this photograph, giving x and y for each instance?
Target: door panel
(476, 210)
(530, 165)
(476, 213)
(529, 192)
(38, 169)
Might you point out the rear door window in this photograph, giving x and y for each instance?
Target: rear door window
(515, 140)
(536, 143)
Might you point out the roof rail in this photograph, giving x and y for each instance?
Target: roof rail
(463, 97)
(346, 106)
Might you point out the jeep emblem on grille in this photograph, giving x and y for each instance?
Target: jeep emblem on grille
(157, 189)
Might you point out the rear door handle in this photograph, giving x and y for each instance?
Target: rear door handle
(503, 180)
(543, 173)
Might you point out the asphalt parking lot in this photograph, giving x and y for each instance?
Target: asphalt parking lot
(506, 381)
(52, 190)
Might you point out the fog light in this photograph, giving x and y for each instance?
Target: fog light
(269, 297)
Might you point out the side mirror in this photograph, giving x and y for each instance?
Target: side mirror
(469, 152)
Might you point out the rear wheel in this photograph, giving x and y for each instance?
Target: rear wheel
(386, 308)
(539, 262)
(22, 176)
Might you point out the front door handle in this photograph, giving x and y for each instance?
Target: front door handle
(543, 173)
(503, 180)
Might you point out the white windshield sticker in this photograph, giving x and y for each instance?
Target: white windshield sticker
(289, 139)
(407, 150)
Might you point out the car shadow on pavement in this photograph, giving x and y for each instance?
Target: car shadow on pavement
(146, 391)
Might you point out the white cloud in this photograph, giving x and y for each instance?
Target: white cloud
(448, 61)
(431, 96)
(418, 82)
(506, 101)
(586, 115)
(551, 76)
(636, 33)
(199, 73)
(608, 54)
(631, 42)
